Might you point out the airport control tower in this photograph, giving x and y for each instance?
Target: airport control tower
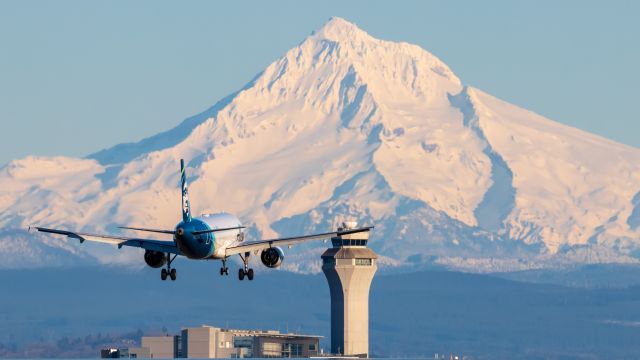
(349, 267)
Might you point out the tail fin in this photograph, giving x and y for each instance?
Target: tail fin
(186, 207)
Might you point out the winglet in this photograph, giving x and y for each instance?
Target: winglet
(354, 231)
(186, 208)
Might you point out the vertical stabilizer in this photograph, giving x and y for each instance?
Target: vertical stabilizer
(186, 207)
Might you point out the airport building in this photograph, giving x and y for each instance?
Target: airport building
(276, 345)
(211, 342)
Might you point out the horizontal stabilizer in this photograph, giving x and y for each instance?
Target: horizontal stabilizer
(198, 232)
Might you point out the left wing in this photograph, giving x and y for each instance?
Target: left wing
(265, 244)
(155, 245)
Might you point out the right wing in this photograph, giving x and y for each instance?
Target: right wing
(265, 244)
(147, 244)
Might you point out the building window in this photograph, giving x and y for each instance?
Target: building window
(296, 350)
(328, 260)
(271, 349)
(291, 350)
(363, 262)
(244, 345)
(312, 347)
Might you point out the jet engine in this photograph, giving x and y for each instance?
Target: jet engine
(155, 259)
(272, 257)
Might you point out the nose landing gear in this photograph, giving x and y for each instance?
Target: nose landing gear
(224, 270)
(169, 271)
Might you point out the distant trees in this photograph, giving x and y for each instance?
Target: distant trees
(87, 346)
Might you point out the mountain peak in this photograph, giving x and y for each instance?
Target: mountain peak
(337, 29)
(388, 70)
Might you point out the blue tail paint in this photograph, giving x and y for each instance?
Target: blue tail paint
(186, 208)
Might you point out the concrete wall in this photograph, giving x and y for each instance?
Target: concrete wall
(160, 347)
(198, 342)
(140, 353)
(224, 345)
(207, 342)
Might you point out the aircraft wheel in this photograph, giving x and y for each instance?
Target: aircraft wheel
(226, 271)
(250, 274)
(173, 274)
(163, 274)
(241, 274)
(221, 271)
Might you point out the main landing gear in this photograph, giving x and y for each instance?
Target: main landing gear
(246, 271)
(169, 271)
(243, 272)
(224, 270)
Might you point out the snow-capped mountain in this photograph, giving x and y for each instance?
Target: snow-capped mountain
(348, 126)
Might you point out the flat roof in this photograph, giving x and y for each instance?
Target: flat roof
(281, 336)
(262, 333)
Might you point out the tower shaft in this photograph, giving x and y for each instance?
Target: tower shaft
(349, 267)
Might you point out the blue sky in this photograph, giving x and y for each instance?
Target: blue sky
(79, 76)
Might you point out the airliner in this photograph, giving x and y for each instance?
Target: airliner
(211, 236)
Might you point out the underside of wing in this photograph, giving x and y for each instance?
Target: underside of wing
(154, 245)
(148, 244)
(265, 244)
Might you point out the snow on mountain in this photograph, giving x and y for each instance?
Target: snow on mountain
(348, 126)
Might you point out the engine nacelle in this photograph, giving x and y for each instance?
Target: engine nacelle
(155, 259)
(272, 257)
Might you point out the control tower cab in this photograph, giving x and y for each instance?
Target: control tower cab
(349, 267)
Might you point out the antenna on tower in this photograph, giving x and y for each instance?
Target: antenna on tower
(337, 222)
